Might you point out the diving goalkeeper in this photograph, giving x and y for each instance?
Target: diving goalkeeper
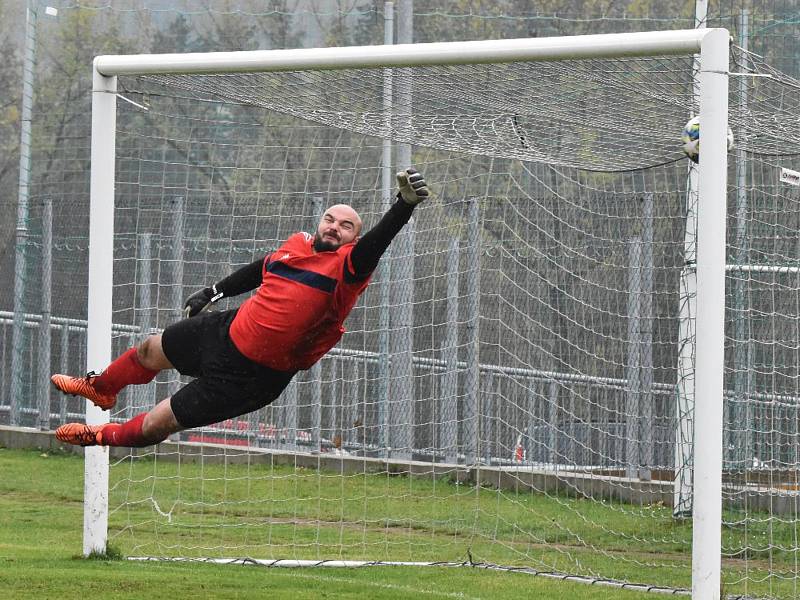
(242, 359)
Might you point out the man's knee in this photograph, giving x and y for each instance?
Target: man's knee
(151, 354)
(160, 422)
(144, 351)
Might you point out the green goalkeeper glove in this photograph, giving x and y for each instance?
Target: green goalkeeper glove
(200, 301)
(413, 188)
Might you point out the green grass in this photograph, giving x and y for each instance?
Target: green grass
(162, 508)
(298, 513)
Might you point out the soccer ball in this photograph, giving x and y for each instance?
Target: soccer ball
(691, 139)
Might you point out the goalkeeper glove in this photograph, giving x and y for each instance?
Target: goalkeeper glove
(413, 188)
(200, 301)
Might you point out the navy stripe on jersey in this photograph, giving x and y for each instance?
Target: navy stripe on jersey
(309, 278)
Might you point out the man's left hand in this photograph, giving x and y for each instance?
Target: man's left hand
(413, 188)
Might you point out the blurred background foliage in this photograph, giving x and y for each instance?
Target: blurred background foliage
(66, 43)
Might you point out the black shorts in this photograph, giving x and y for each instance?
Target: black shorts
(228, 384)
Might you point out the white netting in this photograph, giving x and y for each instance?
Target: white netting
(519, 346)
(567, 113)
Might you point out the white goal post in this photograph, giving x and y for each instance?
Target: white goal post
(713, 47)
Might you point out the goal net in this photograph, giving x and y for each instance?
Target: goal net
(517, 385)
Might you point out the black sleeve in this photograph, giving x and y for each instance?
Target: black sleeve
(242, 280)
(369, 249)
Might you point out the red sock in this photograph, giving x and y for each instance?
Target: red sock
(128, 434)
(124, 371)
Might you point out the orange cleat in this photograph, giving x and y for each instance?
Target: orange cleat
(79, 434)
(84, 386)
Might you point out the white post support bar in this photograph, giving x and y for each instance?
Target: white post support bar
(679, 42)
(684, 437)
(711, 222)
(684, 401)
(101, 255)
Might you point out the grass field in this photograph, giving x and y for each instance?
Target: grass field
(263, 512)
(40, 542)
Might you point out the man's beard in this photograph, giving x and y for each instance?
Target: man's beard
(321, 245)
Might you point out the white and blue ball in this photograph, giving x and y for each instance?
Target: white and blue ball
(691, 139)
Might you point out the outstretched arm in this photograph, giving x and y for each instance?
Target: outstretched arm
(240, 281)
(369, 249)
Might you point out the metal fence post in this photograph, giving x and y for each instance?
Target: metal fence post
(43, 367)
(145, 394)
(633, 369)
(315, 372)
(20, 250)
(646, 397)
(449, 412)
(471, 408)
(176, 282)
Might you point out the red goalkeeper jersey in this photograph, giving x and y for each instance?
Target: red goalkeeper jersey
(298, 312)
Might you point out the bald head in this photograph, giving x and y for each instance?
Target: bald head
(339, 225)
